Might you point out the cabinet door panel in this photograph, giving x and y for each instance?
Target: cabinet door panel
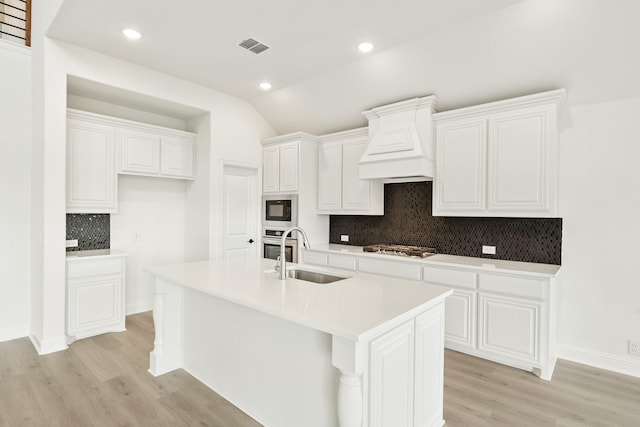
(91, 180)
(460, 315)
(177, 157)
(140, 152)
(355, 192)
(509, 327)
(271, 170)
(518, 158)
(330, 177)
(94, 303)
(460, 165)
(289, 168)
(391, 378)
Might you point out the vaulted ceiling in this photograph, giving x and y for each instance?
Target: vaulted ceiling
(464, 51)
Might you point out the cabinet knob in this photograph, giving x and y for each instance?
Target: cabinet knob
(251, 240)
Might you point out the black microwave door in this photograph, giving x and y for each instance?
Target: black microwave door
(278, 210)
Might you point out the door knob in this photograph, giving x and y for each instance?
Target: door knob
(251, 240)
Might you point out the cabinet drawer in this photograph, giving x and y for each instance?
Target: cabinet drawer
(443, 276)
(509, 285)
(347, 262)
(316, 258)
(403, 270)
(93, 267)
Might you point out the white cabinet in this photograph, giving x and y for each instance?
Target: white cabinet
(340, 191)
(156, 152)
(280, 168)
(391, 378)
(95, 295)
(460, 307)
(91, 177)
(140, 152)
(177, 157)
(507, 318)
(509, 327)
(101, 147)
(406, 367)
(498, 159)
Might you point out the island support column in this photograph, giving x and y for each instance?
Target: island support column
(348, 357)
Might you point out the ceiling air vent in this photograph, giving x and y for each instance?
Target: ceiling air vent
(253, 45)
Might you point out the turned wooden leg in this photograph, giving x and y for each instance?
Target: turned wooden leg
(350, 400)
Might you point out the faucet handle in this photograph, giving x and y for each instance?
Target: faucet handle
(277, 267)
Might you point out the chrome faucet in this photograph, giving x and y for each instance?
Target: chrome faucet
(282, 258)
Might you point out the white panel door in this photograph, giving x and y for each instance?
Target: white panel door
(330, 177)
(91, 176)
(140, 152)
(518, 160)
(239, 210)
(94, 302)
(355, 192)
(177, 157)
(460, 315)
(271, 169)
(509, 327)
(460, 180)
(289, 168)
(391, 382)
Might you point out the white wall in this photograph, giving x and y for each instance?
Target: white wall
(236, 131)
(599, 291)
(15, 190)
(150, 227)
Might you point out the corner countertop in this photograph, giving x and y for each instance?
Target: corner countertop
(96, 253)
(482, 264)
(357, 308)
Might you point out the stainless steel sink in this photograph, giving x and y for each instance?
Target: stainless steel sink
(313, 276)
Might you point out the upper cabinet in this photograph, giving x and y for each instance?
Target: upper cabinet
(498, 159)
(152, 151)
(281, 157)
(100, 147)
(91, 174)
(340, 191)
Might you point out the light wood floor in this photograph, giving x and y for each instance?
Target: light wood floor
(103, 381)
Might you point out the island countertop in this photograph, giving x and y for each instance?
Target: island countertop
(356, 308)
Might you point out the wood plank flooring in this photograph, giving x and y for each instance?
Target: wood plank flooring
(103, 381)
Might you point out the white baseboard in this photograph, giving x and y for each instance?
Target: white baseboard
(620, 364)
(139, 307)
(49, 346)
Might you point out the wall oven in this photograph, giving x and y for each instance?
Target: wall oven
(280, 211)
(271, 239)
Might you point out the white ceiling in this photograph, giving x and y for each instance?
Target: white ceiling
(464, 51)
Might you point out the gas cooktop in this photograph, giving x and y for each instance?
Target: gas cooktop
(402, 250)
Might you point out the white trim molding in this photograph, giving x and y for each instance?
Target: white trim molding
(609, 362)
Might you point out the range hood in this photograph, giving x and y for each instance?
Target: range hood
(400, 141)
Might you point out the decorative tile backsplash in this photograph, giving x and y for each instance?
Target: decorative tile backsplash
(91, 230)
(407, 220)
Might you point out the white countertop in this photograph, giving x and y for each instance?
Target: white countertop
(80, 255)
(487, 264)
(356, 308)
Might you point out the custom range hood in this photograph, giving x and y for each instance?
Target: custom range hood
(400, 141)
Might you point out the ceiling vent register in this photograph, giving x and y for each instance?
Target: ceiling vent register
(253, 45)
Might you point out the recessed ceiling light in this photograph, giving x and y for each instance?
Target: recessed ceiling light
(265, 85)
(365, 47)
(131, 34)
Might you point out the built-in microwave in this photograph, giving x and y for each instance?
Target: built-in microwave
(280, 211)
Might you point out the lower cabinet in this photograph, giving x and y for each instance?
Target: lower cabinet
(406, 383)
(509, 326)
(460, 319)
(95, 296)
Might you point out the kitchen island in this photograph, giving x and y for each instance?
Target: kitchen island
(271, 347)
